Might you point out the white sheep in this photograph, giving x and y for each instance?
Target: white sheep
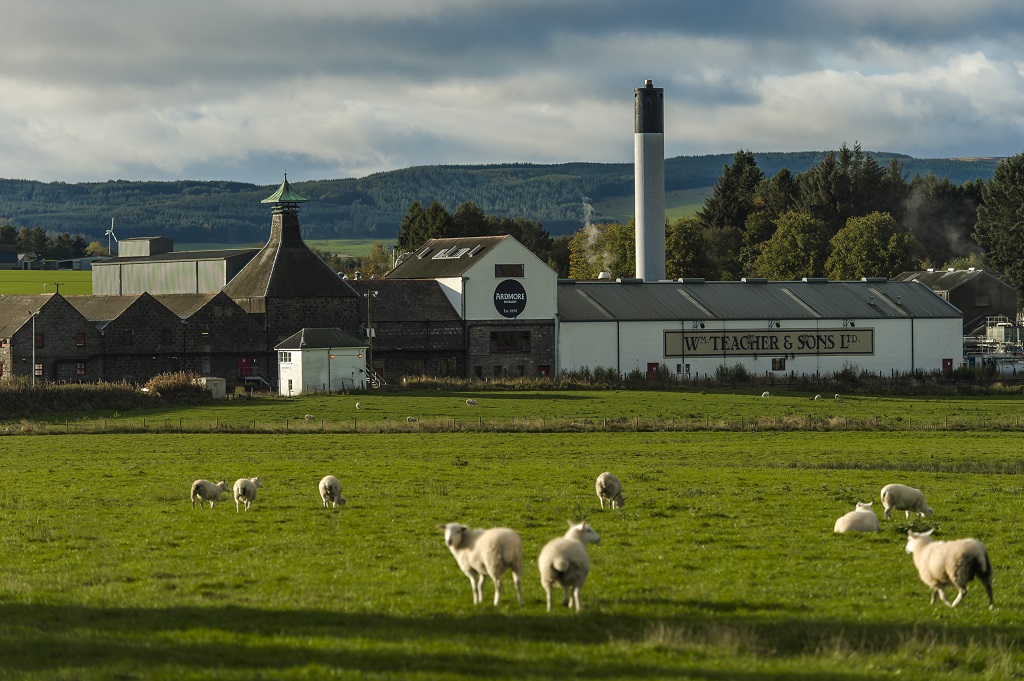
(330, 491)
(486, 553)
(245, 491)
(204, 490)
(358, 405)
(903, 498)
(838, 396)
(817, 398)
(766, 394)
(954, 563)
(410, 419)
(564, 562)
(471, 403)
(861, 519)
(609, 487)
(309, 417)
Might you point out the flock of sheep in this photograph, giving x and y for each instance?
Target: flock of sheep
(563, 561)
(939, 564)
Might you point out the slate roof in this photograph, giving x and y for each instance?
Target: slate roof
(185, 304)
(425, 262)
(945, 280)
(17, 309)
(320, 338)
(287, 268)
(405, 300)
(731, 300)
(101, 310)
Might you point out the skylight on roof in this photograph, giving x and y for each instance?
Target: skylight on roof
(450, 253)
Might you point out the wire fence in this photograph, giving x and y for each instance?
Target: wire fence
(445, 424)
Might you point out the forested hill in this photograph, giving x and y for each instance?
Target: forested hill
(373, 206)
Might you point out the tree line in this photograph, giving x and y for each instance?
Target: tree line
(48, 245)
(845, 217)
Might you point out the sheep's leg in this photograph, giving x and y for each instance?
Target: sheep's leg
(935, 592)
(601, 499)
(547, 594)
(472, 584)
(480, 581)
(576, 597)
(568, 597)
(497, 590)
(961, 592)
(942, 597)
(518, 580)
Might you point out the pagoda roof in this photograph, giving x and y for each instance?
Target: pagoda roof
(285, 194)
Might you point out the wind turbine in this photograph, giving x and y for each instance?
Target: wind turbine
(110, 233)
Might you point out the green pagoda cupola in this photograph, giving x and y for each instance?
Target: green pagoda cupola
(285, 199)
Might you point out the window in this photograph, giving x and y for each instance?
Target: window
(502, 271)
(478, 371)
(509, 342)
(126, 337)
(39, 369)
(520, 370)
(204, 336)
(80, 339)
(40, 340)
(497, 370)
(412, 367)
(283, 356)
(447, 366)
(80, 369)
(778, 363)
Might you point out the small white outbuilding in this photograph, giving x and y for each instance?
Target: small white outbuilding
(321, 360)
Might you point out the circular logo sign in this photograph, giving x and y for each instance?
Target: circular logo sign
(510, 298)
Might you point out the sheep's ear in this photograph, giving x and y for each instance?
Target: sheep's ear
(442, 527)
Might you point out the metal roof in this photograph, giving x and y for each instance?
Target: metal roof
(285, 194)
(320, 338)
(732, 300)
(173, 256)
(441, 258)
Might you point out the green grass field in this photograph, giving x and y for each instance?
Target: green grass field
(72, 282)
(722, 565)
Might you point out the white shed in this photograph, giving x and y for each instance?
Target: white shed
(320, 360)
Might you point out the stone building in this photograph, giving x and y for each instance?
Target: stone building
(46, 337)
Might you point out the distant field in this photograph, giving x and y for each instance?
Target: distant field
(678, 204)
(44, 281)
(352, 247)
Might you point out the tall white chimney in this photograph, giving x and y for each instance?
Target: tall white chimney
(649, 174)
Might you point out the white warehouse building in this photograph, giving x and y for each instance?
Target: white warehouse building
(808, 327)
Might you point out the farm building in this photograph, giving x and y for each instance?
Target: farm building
(9, 258)
(808, 327)
(978, 294)
(149, 265)
(321, 360)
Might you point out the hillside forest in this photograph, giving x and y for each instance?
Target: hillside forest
(838, 214)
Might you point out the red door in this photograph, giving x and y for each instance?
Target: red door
(652, 369)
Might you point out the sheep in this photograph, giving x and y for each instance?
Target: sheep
(486, 553)
(309, 417)
(766, 394)
(903, 498)
(410, 419)
(838, 396)
(245, 491)
(609, 487)
(817, 398)
(330, 491)
(204, 490)
(564, 562)
(471, 403)
(861, 519)
(358, 405)
(955, 563)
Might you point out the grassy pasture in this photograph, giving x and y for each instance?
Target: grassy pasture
(722, 565)
(72, 282)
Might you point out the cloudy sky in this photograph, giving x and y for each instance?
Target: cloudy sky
(246, 89)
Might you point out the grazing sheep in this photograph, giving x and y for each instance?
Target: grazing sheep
(766, 394)
(309, 417)
(486, 553)
(954, 563)
(610, 487)
(817, 398)
(204, 490)
(861, 519)
(358, 406)
(471, 403)
(564, 562)
(330, 491)
(245, 491)
(410, 419)
(838, 396)
(903, 498)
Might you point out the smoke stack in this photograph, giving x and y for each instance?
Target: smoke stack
(649, 179)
